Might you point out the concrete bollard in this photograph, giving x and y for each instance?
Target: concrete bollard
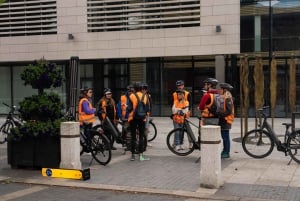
(70, 145)
(210, 166)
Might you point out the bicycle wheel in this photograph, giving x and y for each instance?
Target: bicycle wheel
(293, 146)
(4, 130)
(152, 132)
(257, 143)
(100, 148)
(183, 149)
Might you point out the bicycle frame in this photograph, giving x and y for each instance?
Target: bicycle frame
(273, 135)
(267, 126)
(189, 130)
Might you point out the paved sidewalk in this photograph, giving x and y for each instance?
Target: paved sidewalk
(244, 178)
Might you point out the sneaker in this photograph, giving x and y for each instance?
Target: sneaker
(181, 147)
(225, 155)
(177, 148)
(190, 145)
(143, 158)
(149, 145)
(132, 157)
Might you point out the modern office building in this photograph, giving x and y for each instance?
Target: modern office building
(117, 42)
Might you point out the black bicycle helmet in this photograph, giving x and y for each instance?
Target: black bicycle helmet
(144, 85)
(225, 86)
(179, 82)
(84, 90)
(129, 87)
(137, 86)
(107, 91)
(212, 81)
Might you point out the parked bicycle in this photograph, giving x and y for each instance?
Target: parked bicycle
(12, 120)
(95, 142)
(259, 143)
(187, 138)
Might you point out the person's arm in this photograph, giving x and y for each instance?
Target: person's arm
(175, 109)
(228, 108)
(172, 99)
(203, 101)
(86, 109)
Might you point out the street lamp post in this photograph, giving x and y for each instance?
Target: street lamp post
(270, 4)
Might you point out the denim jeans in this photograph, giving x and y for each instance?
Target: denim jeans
(226, 141)
(178, 138)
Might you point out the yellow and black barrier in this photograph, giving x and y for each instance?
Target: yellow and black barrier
(67, 173)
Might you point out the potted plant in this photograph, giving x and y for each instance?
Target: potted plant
(36, 143)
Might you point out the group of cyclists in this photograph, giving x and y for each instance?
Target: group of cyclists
(123, 110)
(181, 109)
(127, 105)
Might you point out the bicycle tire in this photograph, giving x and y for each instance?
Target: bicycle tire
(152, 132)
(4, 131)
(257, 143)
(185, 142)
(100, 148)
(293, 146)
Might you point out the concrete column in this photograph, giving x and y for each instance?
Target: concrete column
(70, 145)
(210, 166)
(220, 68)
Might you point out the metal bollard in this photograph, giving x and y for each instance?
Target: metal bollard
(70, 145)
(210, 165)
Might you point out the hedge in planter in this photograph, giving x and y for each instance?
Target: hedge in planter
(36, 143)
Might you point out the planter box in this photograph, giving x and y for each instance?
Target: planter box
(34, 152)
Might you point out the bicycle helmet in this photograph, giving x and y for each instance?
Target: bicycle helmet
(144, 85)
(179, 82)
(226, 86)
(107, 91)
(137, 86)
(212, 81)
(84, 90)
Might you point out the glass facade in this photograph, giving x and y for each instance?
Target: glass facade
(264, 31)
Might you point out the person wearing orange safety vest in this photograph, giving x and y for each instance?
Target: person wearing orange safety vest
(207, 100)
(226, 118)
(180, 110)
(138, 123)
(86, 112)
(107, 109)
(187, 95)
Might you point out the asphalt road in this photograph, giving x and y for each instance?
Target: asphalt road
(28, 192)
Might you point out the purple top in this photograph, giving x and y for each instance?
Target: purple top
(86, 109)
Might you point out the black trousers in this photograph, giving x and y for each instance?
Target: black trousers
(138, 125)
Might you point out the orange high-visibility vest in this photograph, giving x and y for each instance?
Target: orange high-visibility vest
(229, 119)
(186, 93)
(134, 102)
(206, 112)
(179, 119)
(83, 117)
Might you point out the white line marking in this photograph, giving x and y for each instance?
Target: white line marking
(20, 193)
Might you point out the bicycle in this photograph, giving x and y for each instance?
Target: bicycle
(187, 138)
(259, 143)
(95, 142)
(12, 120)
(152, 130)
